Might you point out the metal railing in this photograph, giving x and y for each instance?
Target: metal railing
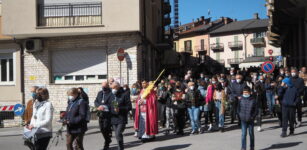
(199, 48)
(256, 59)
(258, 41)
(217, 46)
(70, 14)
(235, 61)
(236, 44)
(188, 50)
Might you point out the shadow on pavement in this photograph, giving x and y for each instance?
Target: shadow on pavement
(271, 128)
(173, 147)
(282, 145)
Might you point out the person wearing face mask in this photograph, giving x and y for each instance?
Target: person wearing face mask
(303, 75)
(290, 97)
(193, 102)
(75, 119)
(162, 98)
(210, 102)
(247, 110)
(299, 84)
(146, 115)
(103, 104)
(287, 74)
(41, 120)
(120, 107)
(269, 87)
(235, 94)
(179, 105)
(219, 97)
(260, 94)
(29, 108)
(134, 95)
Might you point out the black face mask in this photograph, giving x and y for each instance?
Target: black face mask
(39, 98)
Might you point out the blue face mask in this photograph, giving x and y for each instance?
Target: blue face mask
(246, 95)
(33, 95)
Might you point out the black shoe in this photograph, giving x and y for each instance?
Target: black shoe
(291, 133)
(222, 129)
(180, 133)
(283, 135)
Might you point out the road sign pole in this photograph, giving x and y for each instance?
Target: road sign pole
(120, 72)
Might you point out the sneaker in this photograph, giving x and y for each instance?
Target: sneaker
(283, 135)
(210, 127)
(259, 129)
(135, 134)
(298, 124)
(192, 132)
(200, 130)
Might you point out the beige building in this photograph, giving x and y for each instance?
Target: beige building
(194, 40)
(242, 44)
(74, 43)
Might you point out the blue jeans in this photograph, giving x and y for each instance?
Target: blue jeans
(194, 117)
(219, 117)
(250, 127)
(270, 100)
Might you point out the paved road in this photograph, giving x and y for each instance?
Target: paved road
(10, 139)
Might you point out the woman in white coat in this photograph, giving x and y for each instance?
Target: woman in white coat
(42, 119)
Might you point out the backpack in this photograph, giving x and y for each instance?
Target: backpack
(88, 112)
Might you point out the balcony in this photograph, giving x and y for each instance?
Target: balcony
(166, 20)
(256, 59)
(238, 45)
(235, 61)
(258, 42)
(217, 47)
(69, 15)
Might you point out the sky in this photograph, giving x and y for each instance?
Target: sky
(236, 9)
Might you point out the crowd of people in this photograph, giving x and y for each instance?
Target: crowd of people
(176, 103)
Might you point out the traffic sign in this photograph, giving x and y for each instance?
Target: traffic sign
(267, 67)
(121, 54)
(271, 51)
(19, 110)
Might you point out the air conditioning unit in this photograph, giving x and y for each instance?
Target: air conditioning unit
(33, 45)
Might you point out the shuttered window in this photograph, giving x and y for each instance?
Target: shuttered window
(79, 65)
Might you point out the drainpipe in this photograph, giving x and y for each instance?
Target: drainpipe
(22, 83)
(245, 47)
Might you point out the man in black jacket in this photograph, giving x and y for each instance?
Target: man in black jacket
(298, 83)
(261, 100)
(236, 90)
(120, 107)
(103, 104)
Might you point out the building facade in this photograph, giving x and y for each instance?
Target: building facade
(242, 44)
(193, 42)
(74, 43)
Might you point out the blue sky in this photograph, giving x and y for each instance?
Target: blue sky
(237, 9)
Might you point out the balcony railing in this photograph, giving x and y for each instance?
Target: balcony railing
(235, 61)
(237, 45)
(166, 7)
(217, 46)
(71, 14)
(259, 42)
(256, 59)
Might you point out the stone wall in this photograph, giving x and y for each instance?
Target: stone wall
(38, 65)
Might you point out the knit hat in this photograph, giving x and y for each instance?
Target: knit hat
(287, 81)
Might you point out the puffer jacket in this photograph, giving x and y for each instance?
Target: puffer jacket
(247, 109)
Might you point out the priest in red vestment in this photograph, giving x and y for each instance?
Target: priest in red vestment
(146, 113)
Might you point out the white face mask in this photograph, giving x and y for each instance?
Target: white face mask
(213, 82)
(71, 98)
(192, 88)
(125, 89)
(293, 74)
(114, 91)
(238, 80)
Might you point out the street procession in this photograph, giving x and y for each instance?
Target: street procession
(151, 75)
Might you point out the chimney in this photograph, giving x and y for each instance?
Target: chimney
(202, 18)
(226, 21)
(256, 16)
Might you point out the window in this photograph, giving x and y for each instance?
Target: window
(236, 41)
(202, 44)
(188, 46)
(6, 68)
(79, 66)
(259, 35)
(258, 51)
